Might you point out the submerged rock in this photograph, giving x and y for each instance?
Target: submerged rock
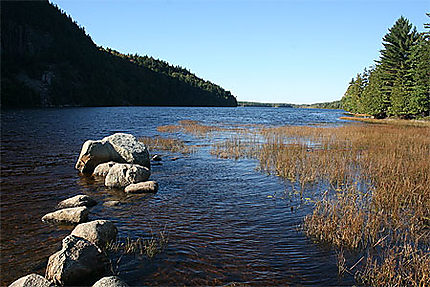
(32, 280)
(99, 232)
(121, 175)
(156, 158)
(111, 281)
(68, 215)
(142, 187)
(103, 168)
(77, 201)
(119, 147)
(78, 262)
(112, 203)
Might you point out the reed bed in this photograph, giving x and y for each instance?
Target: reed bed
(191, 127)
(166, 144)
(378, 200)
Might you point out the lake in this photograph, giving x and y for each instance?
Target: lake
(223, 221)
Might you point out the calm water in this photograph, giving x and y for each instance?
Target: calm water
(222, 225)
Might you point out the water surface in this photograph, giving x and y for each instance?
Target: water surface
(223, 225)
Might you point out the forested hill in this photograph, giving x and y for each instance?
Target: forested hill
(48, 60)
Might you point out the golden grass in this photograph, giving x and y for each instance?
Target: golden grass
(166, 144)
(191, 127)
(400, 122)
(379, 191)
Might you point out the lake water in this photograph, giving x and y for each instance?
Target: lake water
(222, 224)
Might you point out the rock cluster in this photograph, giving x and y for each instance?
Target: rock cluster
(125, 163)
(119, 147)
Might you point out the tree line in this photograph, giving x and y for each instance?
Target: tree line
(47, 59)
(398, 85)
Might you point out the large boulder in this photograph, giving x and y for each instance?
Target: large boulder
(119, 147)
(121, 175)
(77, 201)
(99, 232)
(103, 168)
(78, 262)
(129, 148)
(32, 280)
(111, 281)
(68, 215)
(142, 187)
(95, 152)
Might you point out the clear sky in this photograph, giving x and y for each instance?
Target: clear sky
(287, 51)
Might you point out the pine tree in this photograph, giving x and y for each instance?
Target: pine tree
(373, 100)
(420, 71)
(395, 65)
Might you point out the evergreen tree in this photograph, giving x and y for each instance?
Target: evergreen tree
(373, 100)
(420, 71)
(395, 62)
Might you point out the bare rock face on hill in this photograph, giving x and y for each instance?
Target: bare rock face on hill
(119, 147)
(78, 262)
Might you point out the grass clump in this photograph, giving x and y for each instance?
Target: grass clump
(147, 247)
(166, 144)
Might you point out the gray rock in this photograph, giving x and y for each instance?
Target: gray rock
(78, 262)
(119, 147)
(142, 187)
(129, 148)
(111, 203)
(121, 175)
(68, 215)
(32, 280)
(99, 232)
(77, 201)
(111, 281)
(103, 168)
(94, 153)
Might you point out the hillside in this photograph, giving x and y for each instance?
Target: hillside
(48, 60)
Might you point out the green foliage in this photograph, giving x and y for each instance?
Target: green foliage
(48, 60)
(399, 84)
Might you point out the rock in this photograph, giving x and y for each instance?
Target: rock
(141, 187)
(95, 152)
(77, 201)
(156, 158)
(103, 168)
(130, 149)
(32, 280)
(119, 147)
(111, 281)
(121, 175)
(78, 262)
(99, 232)
(112, 203)
(68, 215)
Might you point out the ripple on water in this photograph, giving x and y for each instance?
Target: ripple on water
(222, 225)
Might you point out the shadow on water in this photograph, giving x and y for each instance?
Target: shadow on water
(224, 223)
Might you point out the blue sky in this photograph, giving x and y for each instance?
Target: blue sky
(288, 51)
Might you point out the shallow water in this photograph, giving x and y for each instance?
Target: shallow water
(222, 226)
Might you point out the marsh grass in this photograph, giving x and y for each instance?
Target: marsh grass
(378, 198)
(148, 247)
(167, 144)
(399, 122)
